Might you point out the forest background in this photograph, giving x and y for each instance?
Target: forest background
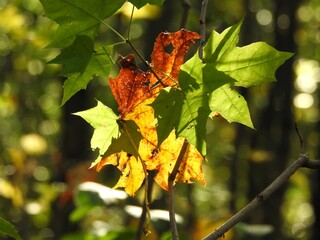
(45, 150)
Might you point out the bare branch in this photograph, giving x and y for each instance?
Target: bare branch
(185, 14)
(312, 164)
(171, 178)
(302, 161)
(203, 27)
(300, 137)
(145, 215)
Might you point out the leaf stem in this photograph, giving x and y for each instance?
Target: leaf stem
(113, 30)
(171, 178)
(146, 202)
(128, 41)
(129, 27)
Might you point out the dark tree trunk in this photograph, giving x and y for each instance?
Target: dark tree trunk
(275, 126)
(75, 148)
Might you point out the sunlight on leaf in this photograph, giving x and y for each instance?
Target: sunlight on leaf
(104, 121)
(134, 94)
(141, 3)
(230, 105)
(197, 80)
(249, 65)
(78, 17)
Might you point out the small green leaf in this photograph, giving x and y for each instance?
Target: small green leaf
(8, 229)
(104, 121)
(255, 64)
(128, 141)
(194, 115)
(249, 65)
(76, 57)
(230, 105)
(99, 65)
(197, 80)
(219, 45)
(167, 109)
(78, 17)
(141, 3)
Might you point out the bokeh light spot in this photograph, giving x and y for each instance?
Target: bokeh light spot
(264, 17)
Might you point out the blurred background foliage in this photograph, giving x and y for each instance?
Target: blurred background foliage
(45, 151)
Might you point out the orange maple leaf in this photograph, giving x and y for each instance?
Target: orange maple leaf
(135, 90)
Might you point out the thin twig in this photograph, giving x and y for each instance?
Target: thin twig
(302, 161)
(185, 14)
(203, 13)
(159, 81)
(145, 209)
(171, 178)
(147, 200)
(300, 137)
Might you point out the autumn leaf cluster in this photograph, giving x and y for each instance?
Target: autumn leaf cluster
(166, 105)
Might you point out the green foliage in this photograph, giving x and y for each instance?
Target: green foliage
(205, 85)
(169, 101)
(141, 3)
(104, 121)
(248, 65)
(77, 17)
(7, 229)
(231, 105)
(85, 201)
(128, 141)
(73, 63)
(99, 64)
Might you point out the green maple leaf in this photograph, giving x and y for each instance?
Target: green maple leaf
(78, 17)
(141, 3)
(106, 128)
(7, 229)
(231, 105)
(76, 57)
(249, 65)
(98, 64)
(167, 106)
(187, 110)
(197, 80)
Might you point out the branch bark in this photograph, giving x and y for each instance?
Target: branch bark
(203, 13)
(185, 14)
(302, 161)
(171, 178)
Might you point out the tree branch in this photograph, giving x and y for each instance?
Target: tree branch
(203, 27)
(145, 215)
(185, 14)
(302, 161)
(171, 178)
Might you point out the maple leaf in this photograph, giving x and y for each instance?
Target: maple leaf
(80, 63)
(104, 121)
(78, 17)
(249, 65)
(134, 93)
(141, 3)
